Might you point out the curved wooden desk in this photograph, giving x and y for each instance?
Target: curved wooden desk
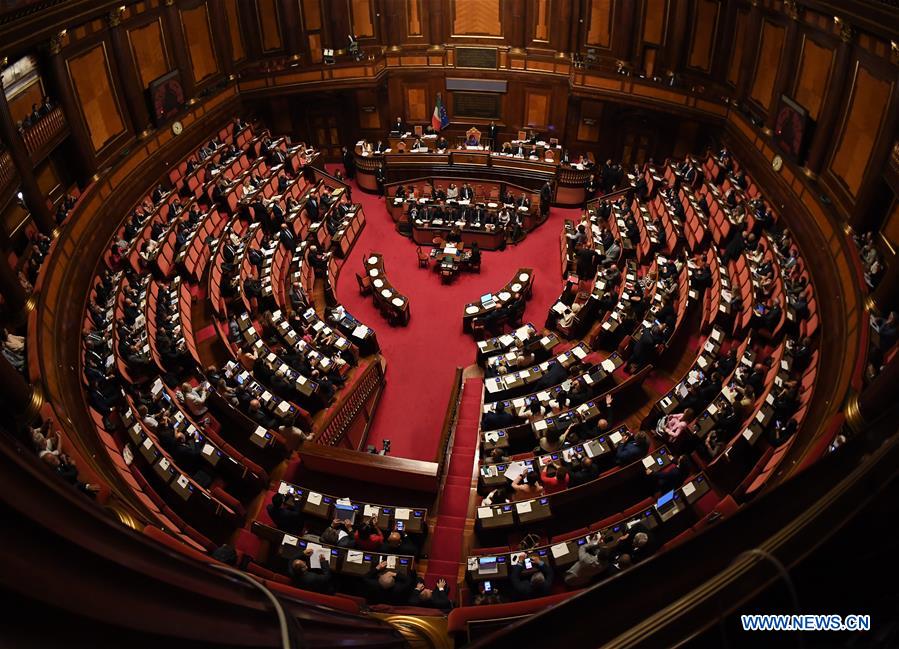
(473, 164)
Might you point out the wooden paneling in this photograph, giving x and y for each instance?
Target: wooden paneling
(536, 104)
(654, 21)
(861, 128)
(238, 49)
(736, 55)
(588, 125)
(198, 35)
(416, 103)
(20, 105)
(363, 26)
(148, 52)
(890, 229)
(93, 87)
(312, 14)
(269, 25)
(704, 21)
(541, 25)
(477, 18)
(413, 13)
(814, 71)
(767, 62)
(599, 31)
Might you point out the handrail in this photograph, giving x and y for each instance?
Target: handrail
(788, 524)
(450, 419)
(279, 610)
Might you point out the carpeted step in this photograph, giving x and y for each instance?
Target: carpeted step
(450, 520)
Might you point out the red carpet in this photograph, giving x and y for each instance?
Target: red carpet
(422, 357)
(446, 543)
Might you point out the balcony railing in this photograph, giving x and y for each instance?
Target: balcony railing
(7, 174)
(45, 133)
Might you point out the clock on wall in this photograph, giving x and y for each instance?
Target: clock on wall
(789, 128)
(777, 163)
(177, 127)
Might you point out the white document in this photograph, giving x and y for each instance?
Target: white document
(648, 461)
(289, 540)
(608, 365)
(354, 556)
(403, 514)
(689, 489)
(579, 352)
(283, 488)
(559, 550)
(515, 469)
(523, 507)
(370, 510)
(314, 498)
(485, 512)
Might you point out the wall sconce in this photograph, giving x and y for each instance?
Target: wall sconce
(328, 56)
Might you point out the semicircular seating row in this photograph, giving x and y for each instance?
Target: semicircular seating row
(546, 405)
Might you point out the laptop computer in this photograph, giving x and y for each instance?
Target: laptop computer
(487, 566)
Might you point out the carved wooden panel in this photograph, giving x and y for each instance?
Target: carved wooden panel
(536, 106)
(315, 47)
(269, 26)
(736, 55)
(238, 50)
(477, 18)
(599, 31)
(149, 52)
(413, 13)
(704, 21)
(198, 35)
(312, 14)
(814, 71)
(92, 83)
(363, 26)
(654, 21)
(767, 62)
(861, 128)
(416, 103)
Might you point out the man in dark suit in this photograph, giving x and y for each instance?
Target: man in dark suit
(493, 133)
(399, 126)
(386, 586)
(286, 238)
(531, 585)
(285, 513)
(431, 597)
(523, 201)
(312, 207)
(315, 579)
(499, 418)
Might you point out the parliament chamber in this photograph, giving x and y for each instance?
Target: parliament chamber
(449, 323)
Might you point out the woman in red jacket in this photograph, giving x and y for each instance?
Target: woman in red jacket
(369, 537)
(554, 478)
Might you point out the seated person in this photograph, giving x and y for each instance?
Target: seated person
(315, 579)
(536, 584)
(437, 597)
(369, 537)
(285, 511)
(499, 418)
(633, 449)
(592, 561)
(385, 586)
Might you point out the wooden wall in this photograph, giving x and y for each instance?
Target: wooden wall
(842, 70)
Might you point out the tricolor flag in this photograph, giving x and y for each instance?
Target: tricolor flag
(439, 119)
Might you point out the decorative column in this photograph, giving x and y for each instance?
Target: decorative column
(85, 164)
(179, 50)
(823, 138)
(518, 35)
(17, 302)
(134, 97)
(877, 398)
(787, 56)
(34, 198)
(290, 19)
(222, 36)
(436, 28)
(753, 38)
(16, 395)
